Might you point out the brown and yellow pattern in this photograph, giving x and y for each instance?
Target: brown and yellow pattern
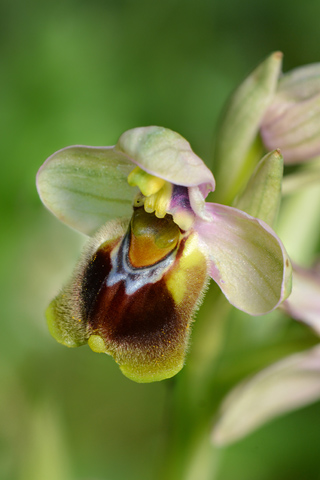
(137, 296)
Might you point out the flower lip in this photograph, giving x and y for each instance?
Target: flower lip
(165, 154)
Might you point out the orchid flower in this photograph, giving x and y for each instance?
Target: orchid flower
(155, 243)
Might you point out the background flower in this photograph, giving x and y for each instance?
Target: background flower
(292, 120)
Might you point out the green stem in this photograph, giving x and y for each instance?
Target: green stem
(203, 462)
(189, 452)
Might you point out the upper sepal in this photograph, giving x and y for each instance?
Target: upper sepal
(166, 154)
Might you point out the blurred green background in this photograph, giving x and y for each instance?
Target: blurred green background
(83, 72)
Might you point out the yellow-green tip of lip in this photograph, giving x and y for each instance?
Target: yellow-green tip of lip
(54, 327)
(97, 344)
(150, 373)
(59, 322)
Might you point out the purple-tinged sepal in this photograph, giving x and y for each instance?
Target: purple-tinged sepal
(247, 259)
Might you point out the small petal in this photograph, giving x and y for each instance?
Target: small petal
(240, 125)
(86, 186)
(248, 261)
(280, 388)
(262, 195)
(165, 154)
(304, 301)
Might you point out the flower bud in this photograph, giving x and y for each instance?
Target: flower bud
(234, 158)
(292, 121)
(262, 195)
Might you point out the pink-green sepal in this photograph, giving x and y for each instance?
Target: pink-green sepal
(86, 186)
(248, 260)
